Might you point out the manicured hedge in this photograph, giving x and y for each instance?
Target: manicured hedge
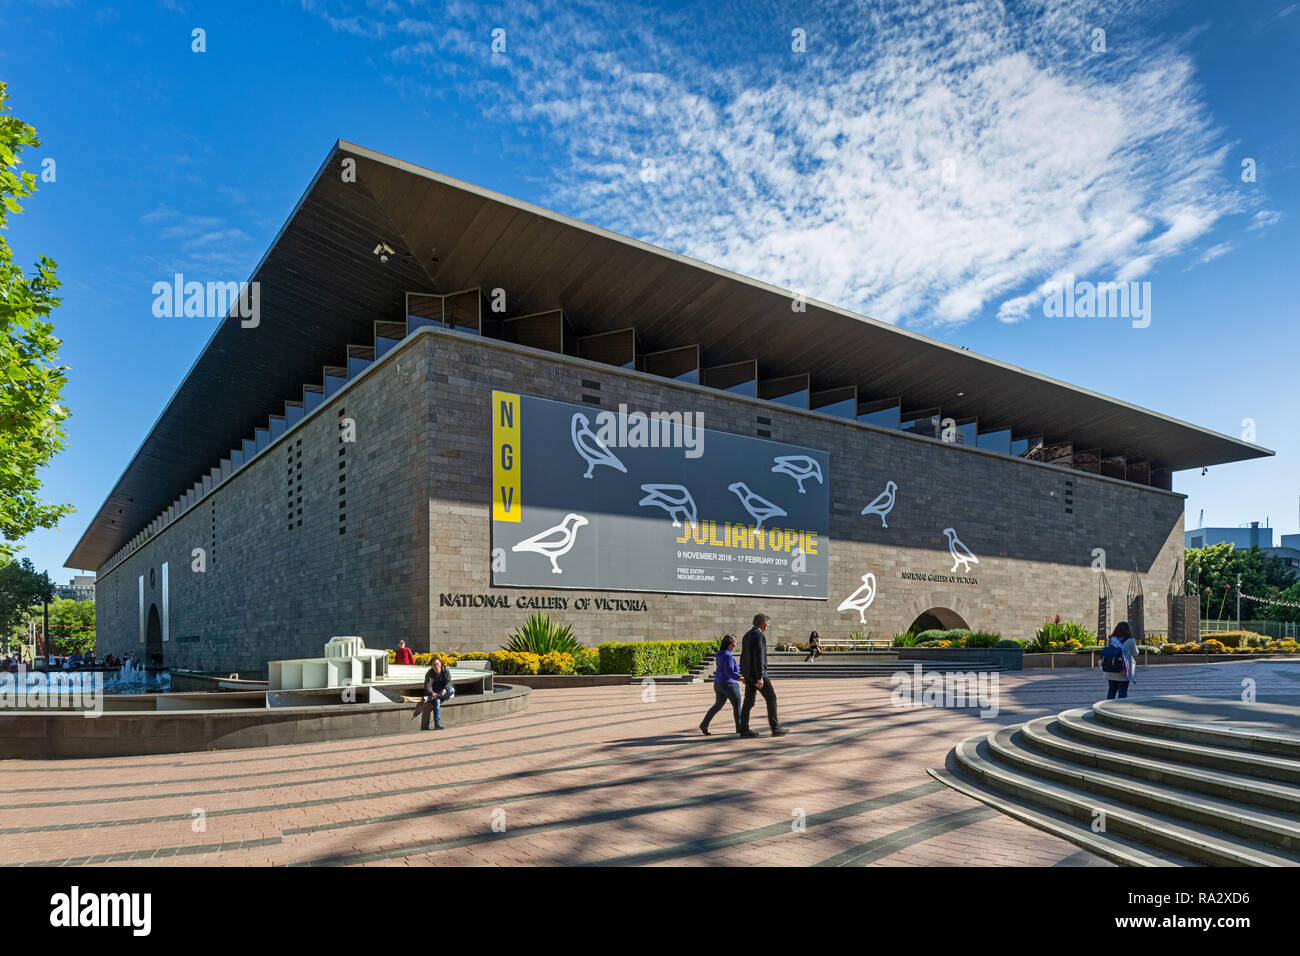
(514, 662)
(938, 635)
(1214, 646)
(640, 658)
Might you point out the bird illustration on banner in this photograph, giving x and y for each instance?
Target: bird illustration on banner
(961, 555)
(591, 448)
(759, 507)
(554, 542)
(798, 467)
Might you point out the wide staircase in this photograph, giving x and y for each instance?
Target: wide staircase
(783, 665)
(1166, 781)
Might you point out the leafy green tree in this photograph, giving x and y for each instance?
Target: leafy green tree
(72, 626)
(31, 380)
(1214, 571)
(22, 587)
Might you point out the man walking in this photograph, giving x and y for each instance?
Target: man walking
(753, 670)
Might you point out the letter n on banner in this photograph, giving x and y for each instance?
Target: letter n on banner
(506, 460)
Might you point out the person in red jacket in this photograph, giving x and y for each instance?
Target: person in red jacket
(404, 655)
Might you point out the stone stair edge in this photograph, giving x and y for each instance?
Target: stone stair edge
(1274, 829)
(1176, 837)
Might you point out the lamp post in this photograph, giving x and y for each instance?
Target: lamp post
(1239, 600)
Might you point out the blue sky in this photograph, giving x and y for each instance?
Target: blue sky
(927, 164)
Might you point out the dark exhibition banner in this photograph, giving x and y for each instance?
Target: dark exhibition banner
(613, 500)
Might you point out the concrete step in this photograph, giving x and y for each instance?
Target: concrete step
(1046, 736)
(1110, 846)
(1162, 835)
(1083, 725)
(1256, 824)
(1230, 724)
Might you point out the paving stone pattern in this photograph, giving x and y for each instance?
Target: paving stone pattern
(584, 776)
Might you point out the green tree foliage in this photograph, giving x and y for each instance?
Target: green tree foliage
(31, 380)
(1213, 570)
(21, 588)
(72, 626)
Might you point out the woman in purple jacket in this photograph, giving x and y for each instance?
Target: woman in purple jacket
(726, 685)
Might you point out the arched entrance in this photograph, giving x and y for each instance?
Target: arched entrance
(937, 619)
(153, 642)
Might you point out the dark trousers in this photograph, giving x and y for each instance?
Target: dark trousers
(724, 694)
(813, 653)
(769, 695)
(1117, 688)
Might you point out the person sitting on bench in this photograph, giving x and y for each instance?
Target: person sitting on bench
(437, 688)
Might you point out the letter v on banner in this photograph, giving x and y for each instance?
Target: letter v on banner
(507, 462)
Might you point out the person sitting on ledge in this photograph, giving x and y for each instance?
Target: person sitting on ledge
(437, 688)
(404, 655)
(814, 647)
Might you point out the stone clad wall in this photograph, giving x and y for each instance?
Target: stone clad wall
(418, 526)
(273, 593)
(1035, 548)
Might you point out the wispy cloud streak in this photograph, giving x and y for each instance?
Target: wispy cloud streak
(921, 162)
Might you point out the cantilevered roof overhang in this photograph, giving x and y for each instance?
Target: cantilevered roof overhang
(322, 288)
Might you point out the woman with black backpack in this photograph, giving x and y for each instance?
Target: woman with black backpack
(1119, 661)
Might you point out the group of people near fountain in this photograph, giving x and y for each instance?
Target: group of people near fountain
(66, 662)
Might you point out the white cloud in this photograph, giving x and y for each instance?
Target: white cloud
(1219, 249)
(921, 162)
(1265, 218)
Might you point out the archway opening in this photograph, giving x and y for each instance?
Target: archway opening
(153, 642)
(938, 619)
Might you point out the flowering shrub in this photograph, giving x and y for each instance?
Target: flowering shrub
(515, 662)
(556, 662)
(426, 660)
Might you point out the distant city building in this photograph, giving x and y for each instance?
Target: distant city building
(80, 588)
(1253, 536)
(1289, 551)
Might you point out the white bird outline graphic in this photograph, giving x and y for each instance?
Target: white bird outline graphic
(965, 556)
(766, 509)
(660, 497)
(882, 504)
(861, 599)
(798, 467)
(591, 448)
(554, 542)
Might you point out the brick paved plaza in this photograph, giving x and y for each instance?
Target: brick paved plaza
(583, 776)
